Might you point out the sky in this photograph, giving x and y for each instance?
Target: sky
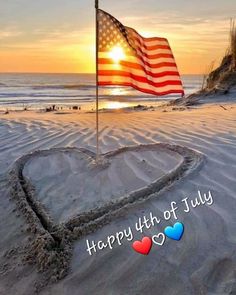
(58, 36)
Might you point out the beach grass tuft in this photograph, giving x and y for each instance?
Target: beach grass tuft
(232, 47)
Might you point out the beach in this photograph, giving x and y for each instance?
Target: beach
(67, 184)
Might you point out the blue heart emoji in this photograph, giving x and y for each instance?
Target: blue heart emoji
(175, 232)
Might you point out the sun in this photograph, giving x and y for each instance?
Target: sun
(117, 54)
(116, 105)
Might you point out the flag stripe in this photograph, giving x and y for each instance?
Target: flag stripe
(152, 52)
(146, 39)
(149, 40)
(139, 74)
(143, 59)
(157, 56)
(155, 61)
(145, 47)
(150, 45)
(145, 42)
(137, 65)
(167, 54)
(159, 92)
(130, 67)
(154, 73)
(140, 79)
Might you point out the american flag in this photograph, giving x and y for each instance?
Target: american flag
(125, 58)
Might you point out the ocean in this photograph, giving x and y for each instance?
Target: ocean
(38, 91)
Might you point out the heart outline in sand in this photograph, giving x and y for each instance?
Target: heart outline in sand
(101, 215)
(144, 246)
(175, 232)
(60, 236)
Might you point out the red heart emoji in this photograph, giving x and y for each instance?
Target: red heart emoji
(144, 246)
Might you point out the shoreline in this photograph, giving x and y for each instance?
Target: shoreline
(112, 106)
(139, 108)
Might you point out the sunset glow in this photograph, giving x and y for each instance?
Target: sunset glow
(117, 54)
(62, 37)
(116, 105)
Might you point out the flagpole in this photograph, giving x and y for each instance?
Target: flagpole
(97, 121)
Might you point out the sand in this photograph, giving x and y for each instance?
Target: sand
(73, 175)
(203, 262)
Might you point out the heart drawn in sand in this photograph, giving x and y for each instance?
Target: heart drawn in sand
(68, 183)
(144, 246)
(175, 232)
(70, 207)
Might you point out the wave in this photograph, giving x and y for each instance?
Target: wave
(68, 87)
(47, 95)
(16, 97)
(46, 99)
(50, 86)
(43, 102)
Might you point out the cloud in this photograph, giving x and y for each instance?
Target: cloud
(46, 40)
(198, 35)
(9, 33)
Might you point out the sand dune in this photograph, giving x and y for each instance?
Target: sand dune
(203, 262)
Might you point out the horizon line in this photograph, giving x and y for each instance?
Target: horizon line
(73, 73)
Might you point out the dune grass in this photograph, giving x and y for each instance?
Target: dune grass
(224, 74)
(206, 74)
(232, 47)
